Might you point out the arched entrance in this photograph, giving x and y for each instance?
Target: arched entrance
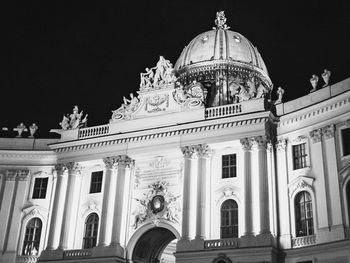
(150, 246)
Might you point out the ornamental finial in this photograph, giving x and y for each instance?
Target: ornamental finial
(220, 20)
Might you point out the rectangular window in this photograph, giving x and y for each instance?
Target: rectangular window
(229, 166)
(345, 135)
(96, 182)
(299, 156)
(40, 186)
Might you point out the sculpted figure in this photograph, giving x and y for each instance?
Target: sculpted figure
(162, 68)
(280, 93)
(147, 78)
(325, 76)
(74, 120)
(32, 129)
(251, 86)
(131, 104)
(261, 91)
(20, 129)
(314, 81)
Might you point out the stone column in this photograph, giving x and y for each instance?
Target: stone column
(71, 206)
(333, 179)
(188, 196)
(203, 152)
(107, 202)
(124, 163)
(58, 207)
(247, 184)
(282, 193)
(264, 220)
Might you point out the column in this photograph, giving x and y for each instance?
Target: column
(271, 174)
(248, 202)
(124, 163)
(71, 205)
(264, 214)
(332, 174)
(282, 193)
(108, 202)
(58, 207)
(203, 152)
(188, 196)
(317, 163)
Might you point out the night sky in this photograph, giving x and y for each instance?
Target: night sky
(59, 54)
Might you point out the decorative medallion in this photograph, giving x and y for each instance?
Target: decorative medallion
(157, 204)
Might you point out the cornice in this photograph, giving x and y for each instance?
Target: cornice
(316, 110)
(105, 141)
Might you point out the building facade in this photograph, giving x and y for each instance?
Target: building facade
(201, 166)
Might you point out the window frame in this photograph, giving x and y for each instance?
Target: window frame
(94, 183)
(296, 212)
(39, 235)
(40, 188)
(229, 166)
(343, 155)
(302, 158)
(91, 239)
(235, 227)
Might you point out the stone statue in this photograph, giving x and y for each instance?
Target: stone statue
(147, 79)
(131, 104)
(314, 81)
(20, 129)
(280, 93)
(261, 91)
(74, 120)
(164, 70)
(220, 20)
(32, 129)
(325, 76)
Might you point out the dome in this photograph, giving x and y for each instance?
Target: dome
(220, 44)
(226, 64)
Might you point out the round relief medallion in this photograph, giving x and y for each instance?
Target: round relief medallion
(157, 204)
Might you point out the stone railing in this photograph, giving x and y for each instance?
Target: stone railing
(93, 131)
(77, 253)
(26, 259)
(303, 241)
(221, 243)
(225, 110)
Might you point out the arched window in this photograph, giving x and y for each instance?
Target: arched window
(90, 236)
(303, 214)
(229, 219)
(32, 237)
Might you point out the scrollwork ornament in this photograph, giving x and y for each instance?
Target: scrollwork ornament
(22, 175)
(259, 142)
(73, 167)
(60, 168)
(109, 162)
(203, 150)
(246, 144)
(316, 135)
(125, 160)
(189, 152)
(11, 175)
(281, 144)
(328, 131)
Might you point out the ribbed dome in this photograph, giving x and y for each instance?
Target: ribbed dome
(220, 44)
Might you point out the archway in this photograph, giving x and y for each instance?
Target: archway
(151, 244)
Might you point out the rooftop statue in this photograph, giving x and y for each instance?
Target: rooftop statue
(314, 81)
(32, 129)
(220, 20)
(325, 76)
(280, 93)
(161, 74)
(73, 120)
(126, 109)
(20, 129)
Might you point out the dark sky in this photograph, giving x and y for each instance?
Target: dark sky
(58, 54)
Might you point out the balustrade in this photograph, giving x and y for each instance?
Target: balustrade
(225, 110)
(26, 259)
(93, 131)
(77, 253)
(303, 241)
(221, 243)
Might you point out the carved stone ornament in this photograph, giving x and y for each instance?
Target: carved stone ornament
(301, 183)
(203, 150)
(159, 162)
(61, 168)
(20, 175)
(125, 160)
(189, 151)
(73, 167)
(158, 203)
(300, 138)
(20, 129)
(314, 81)
(157, 102)
(74, 120)
(126, 110)
(326, 76)
(316, 135)
(32, 129)
(281, 144)
(280, 93)
(110, 162)
(259, 142)
(191, 97)
(246, 144)
(328, 131)
(220, 21)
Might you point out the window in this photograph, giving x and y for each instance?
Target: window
(345, 134)
(229, 166)
(96, 182)
(303, 214)
(299, 156)
(229, 219)
(90, 236)
(40, 186)
(32, 237)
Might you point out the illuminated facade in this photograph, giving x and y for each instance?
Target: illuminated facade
(201, 163)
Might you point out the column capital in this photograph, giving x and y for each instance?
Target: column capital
(110, 162)
(281, 144)
(124, 160)
(189, 151)
(19, 175)
(203, 150)
(60, 168)
(259, 142)
(316, 135)
(246, 144)
(73, 167)
(328, 131)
